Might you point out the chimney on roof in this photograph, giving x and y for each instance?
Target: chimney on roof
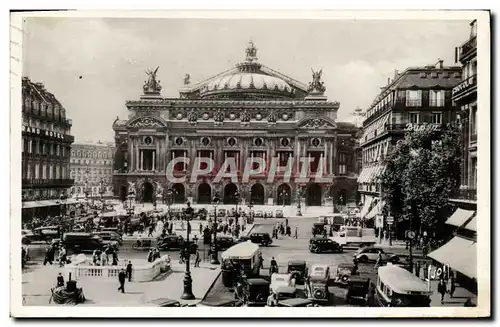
(439, 64)
(396, 73)
(388, 80)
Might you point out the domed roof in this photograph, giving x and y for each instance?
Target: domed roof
(243, 80)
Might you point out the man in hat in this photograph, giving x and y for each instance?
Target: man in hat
(121, 278)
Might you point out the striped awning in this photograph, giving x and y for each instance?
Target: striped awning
(366, 207)
(460, 254)
(30, 204)
(47, 203)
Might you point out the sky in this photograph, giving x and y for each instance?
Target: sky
(94, 65)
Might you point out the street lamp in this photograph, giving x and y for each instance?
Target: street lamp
(215, 255)
(187, 294)
(170, 197)
(250, 206)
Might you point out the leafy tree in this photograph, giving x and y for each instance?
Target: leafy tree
(422, 171)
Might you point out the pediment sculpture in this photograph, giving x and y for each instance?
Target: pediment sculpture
(272, 118)
(316, 86)
(317, 123)
(146, 122)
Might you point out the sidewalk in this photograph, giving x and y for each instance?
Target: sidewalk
(104, 292)
(459, 297)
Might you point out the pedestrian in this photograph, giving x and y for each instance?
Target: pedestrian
(201, 227)
(296, 232)
(104, 258)
(441, 289)
(370, 296)
(62, 256)
(121, 279)
(271, 300)
(129, 271)
(197, 259)
(150, 255)
(151, 230)
(115, 258)
(49, 255)
(60, 280)
(379, 260)
(451, 283)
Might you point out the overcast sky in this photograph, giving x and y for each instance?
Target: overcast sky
(111, 56)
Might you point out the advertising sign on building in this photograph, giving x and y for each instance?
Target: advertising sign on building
(379, 221)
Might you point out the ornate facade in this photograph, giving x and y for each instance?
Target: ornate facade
(92, 169)
(46, 145)
(250, 111)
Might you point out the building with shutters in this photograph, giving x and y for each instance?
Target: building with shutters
(417, 98)
(92, 169)
(247, 112)
(46, 146)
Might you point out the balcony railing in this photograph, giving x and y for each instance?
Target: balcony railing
(47, 182)
(465, 194)
(467, 47)
(464, 87)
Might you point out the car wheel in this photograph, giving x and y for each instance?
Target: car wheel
(48, 239)
(341, 250)
(363, 259)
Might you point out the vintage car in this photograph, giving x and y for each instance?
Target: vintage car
(344, 271)
(322, 244)
(243, 238)
(287, 292)
(279, 213)
(261, 238)
(298, 270)
(296, 302)
(175, 242)
(109, 237)
(221, 213)
(357, 289)
(279, 280)
(253, 292)
(319, 280)
(318, 228)
(259, 214)
(225, 242)
(41, 234)
(370, 254)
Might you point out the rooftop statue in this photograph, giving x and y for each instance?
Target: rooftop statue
(152, 85)
(187, 79)
(316, 86)
(251, 52)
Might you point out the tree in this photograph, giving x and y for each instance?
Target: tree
(420, 175)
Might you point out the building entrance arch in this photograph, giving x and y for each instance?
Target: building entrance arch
(284, 195)
(179, 193)
(257, 194)
(230, 191)
(314, 195)
(204, 194)
(148, 192)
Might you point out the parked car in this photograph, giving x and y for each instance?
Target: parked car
(322, 244)
(288, 292)
(370, 254)
(319, 280)
(357, 289)
(41, 234)
(175, 242)
(318, 228)
(279, 213)
(82, 242)
(280, 280)
(298, 270)
(259, 214)
(253, 292)
(110, 237)
(225, 242)
(261, 238)
(344, 272)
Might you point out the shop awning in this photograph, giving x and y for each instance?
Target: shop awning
(361, 175)
(375, 211)
(30, 204)
(472, 225)
(366, 207)
(71, 201)
(459, 217)
(459, 254)
(47, 203)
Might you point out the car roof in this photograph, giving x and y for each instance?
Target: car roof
(296, 262)
(257, 281)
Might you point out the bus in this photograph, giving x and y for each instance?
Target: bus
(242, 257)
(397, 287)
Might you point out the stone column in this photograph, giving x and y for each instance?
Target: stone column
(142, 160)
(154, 161)
(330, 159)
(137, 156)
(325, 158)
(297, 155)
(157, 155)
(130, 159)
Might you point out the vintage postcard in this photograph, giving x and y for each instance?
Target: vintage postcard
(176, 164)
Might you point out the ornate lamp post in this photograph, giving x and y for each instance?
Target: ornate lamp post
(187, 294)
(215, 254)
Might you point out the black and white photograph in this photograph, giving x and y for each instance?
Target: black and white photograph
(175, 164)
